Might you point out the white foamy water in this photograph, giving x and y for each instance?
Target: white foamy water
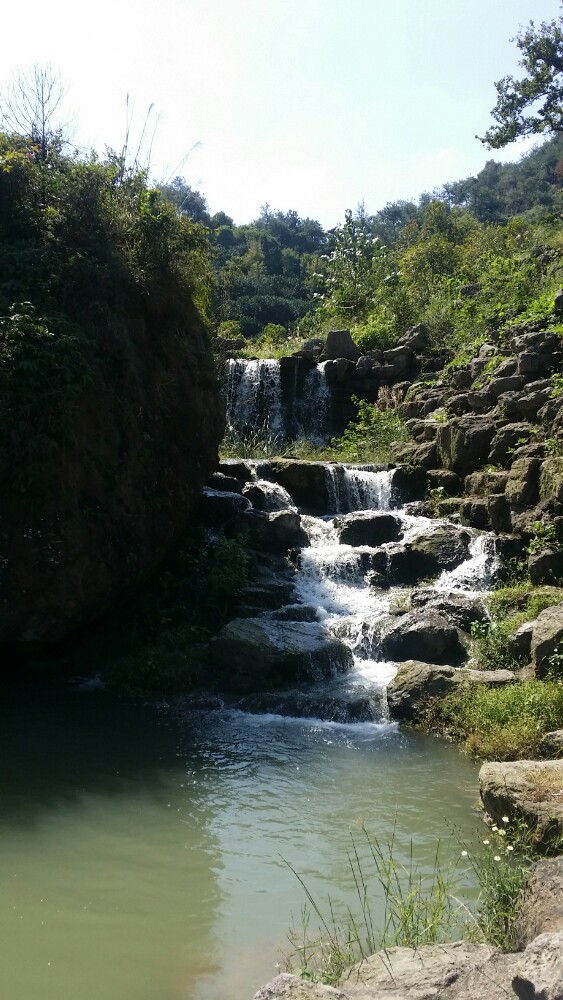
(334, 577)
(277, 498)
(352, 489)
(253, 396)
(311, 410)
(476, 574)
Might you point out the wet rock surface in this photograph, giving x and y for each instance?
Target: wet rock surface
(367, 528)
(428, 554)
(427, 636)
(253, 654)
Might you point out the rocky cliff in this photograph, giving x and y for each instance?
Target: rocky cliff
(87, 514)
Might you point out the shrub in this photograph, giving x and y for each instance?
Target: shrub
(509, 607)
(371, 436)
(159, 646)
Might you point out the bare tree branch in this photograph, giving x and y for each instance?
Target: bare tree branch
(32, 107)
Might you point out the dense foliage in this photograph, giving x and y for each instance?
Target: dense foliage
(464, 260)
(86, 247)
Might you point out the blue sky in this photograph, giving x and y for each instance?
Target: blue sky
(312, 105)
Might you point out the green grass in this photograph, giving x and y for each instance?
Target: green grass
(499, 723)
(368, 439)
(418, 909)
(500, 863)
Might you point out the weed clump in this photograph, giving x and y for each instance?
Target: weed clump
(499, 723)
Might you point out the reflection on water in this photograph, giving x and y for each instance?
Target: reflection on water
(141, 851)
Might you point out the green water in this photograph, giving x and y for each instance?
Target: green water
(141, 851)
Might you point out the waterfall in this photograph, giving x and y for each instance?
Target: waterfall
(360, 488)
(253, 398)
(477, 573)
(333, 582)
(312, 407)
(258, 405)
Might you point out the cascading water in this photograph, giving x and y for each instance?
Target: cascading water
(311, 408)
(358, 488)
(258, 403)
(333, 580)
(253, 397)
(478, 573)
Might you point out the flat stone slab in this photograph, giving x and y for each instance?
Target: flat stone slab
(457, 971)
(525, 789)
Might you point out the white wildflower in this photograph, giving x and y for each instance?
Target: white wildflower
(486, 842)
(497, 857)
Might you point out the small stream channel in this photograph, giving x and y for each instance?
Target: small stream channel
(142, 847)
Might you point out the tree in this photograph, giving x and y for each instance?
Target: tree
(353, 268)
(534, 104)
(186, 200)
(31, 107)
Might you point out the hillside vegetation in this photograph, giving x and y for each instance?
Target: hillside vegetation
(466, 258)
(105, 375)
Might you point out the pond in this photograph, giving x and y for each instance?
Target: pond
(143, 848)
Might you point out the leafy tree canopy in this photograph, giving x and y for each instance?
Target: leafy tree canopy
(534, 104)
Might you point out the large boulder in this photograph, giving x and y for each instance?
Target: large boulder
(331, 702)
(528, 790)
(257, 654)
(428, 637)
(551, 479)
(222, 483)
(367, 528)
(546, 566)
(236, 469)
(409, 482)
(461, 610)
(339, 344)
(464, 443)
(485, 482)
(267, 496)
(275, 532)
(507, 439)
(88, 513)
(524, 407)
(522, 484)
(547, 641)
(415, 683)
(540, 908)
(306, 482)
(427, 555)
(218, 507)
